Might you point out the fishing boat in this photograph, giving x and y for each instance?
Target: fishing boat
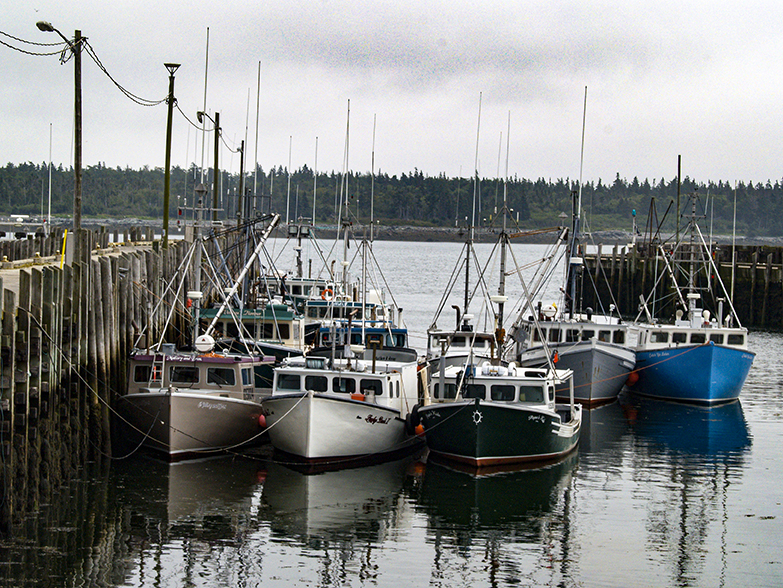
(698, 357)
(342, 411)
(591, 344)
(490, 415)
(187, 404)
(186, 396)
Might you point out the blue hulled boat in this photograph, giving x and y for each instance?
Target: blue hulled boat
(697, 358)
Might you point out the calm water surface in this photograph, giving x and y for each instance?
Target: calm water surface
(657, 495)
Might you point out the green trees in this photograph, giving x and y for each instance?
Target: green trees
(410, 198)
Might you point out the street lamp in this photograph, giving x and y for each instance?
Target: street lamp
(76, 48)
(171, 67)
(216, 121)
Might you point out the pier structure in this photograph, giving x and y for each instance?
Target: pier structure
(623, 273)
(66, 331)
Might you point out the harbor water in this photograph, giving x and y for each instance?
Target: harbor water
(657, 494)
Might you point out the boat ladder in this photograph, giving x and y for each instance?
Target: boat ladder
(156, 373)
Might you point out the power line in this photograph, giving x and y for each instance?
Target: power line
(133, 97)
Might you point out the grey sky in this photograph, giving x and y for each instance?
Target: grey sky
(700, 79)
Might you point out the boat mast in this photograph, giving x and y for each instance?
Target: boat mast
(503, 241)
(574, 261)
(471, 230)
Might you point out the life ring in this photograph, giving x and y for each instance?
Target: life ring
(327, 292)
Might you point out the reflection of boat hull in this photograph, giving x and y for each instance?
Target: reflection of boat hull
(600, 368)
(482, 433)
(332, 503)
(183, 424)
(701, 430)
(318, 427)
(464, 499)
(708, 374)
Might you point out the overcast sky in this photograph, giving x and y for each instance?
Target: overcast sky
(699, 79)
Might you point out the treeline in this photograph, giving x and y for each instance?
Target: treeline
(408, 199)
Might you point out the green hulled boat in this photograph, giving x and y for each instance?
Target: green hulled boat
(491, 415)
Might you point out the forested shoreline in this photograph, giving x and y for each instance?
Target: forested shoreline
(412, 199)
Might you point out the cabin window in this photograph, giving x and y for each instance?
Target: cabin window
(572, 335)
(316, 383)
(221, 376)
(371, 387)
(679, 337)
(180, 374)
(296, 290)
(618, 337)
(284, 331)
(449, 391)
(735, 339)
(399, 340)
(536, 335)
(717, 338)
(356, 338)
(346, 385)
(475, 391)
(458, 342)
(551, 391)
(397, 387)
(554, 335)
(289, 382)
(531, 394)
(698, 338)
(605, 336)
(659, 337)
(247, 377)
(587, 334)
(312, 313)
(141, 373)
(502, 392)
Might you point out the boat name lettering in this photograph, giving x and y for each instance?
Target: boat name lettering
(536, 417)
(372, 419)
(212, 405)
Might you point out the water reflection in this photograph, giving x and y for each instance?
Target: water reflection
(340, 505)
(707, 432)
(517, 519)
(688, 460)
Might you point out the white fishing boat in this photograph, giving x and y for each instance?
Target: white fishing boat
(342, 410)
(591, 344)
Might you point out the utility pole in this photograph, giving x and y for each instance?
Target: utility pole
(216, 177)
(77, 163)
(171, 67)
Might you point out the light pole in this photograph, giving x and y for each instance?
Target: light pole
(171, 67)
(216, 121)
(76, 48)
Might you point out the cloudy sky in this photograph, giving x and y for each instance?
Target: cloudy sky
(702, 79)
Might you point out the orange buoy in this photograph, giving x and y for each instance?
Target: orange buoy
(633, 377)
(262, 421)
(419, 430)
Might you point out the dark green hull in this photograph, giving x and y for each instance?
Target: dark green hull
(482, 433)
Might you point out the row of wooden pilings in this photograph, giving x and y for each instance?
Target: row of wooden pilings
(624, 273)
(65, 335)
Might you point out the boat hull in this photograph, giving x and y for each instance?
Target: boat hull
(182, 424)
(703, 374)
(317, 427)
(482, 433)
(600, 369)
